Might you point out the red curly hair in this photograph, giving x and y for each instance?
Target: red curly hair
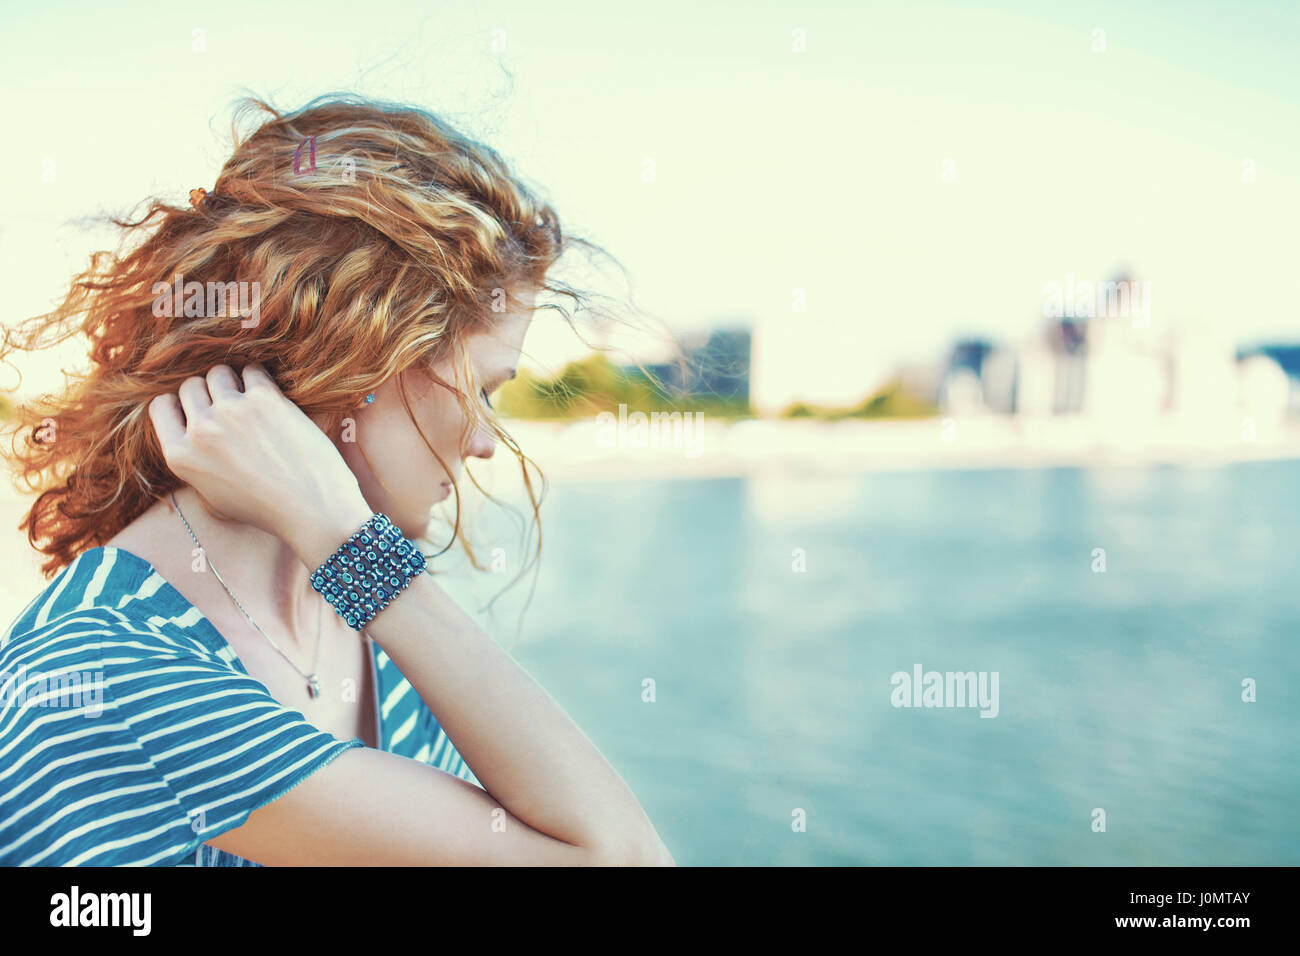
(385, 247)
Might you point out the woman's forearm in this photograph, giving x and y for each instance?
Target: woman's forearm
(521, 745)
(524, 749)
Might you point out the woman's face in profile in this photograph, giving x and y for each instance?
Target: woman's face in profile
(397, 472)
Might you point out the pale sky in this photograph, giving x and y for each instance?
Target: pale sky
(774, 170)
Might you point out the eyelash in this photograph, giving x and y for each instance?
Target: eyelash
(484, 393)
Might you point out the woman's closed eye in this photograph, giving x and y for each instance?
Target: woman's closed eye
(484, 393)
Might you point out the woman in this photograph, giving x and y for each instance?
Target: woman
(280, 709)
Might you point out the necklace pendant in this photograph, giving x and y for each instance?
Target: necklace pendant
(313, 686)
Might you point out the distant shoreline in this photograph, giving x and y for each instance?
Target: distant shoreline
(573, 449)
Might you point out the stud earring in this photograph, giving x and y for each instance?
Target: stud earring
(370, 398)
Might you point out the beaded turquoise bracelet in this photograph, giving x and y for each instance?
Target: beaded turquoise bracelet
(368, 571)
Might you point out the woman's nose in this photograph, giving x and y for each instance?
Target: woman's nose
(483, 445)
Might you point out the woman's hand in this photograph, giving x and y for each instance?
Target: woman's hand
(254, 457)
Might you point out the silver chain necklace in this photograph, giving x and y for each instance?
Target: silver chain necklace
(313, 685)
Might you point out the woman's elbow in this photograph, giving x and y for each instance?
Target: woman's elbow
(651, 852)
(656, 854)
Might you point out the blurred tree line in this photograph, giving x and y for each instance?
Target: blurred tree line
(891, 400)
(586, 387)
(594, 384)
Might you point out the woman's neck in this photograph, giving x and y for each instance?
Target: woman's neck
(262, 572)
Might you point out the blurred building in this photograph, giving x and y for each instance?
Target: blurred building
(1126, 366)
(1265, 392)
(999, 380)
(714, 364)
(963, 391)
(1287, 360)
(1202, 373)
(922, 379)
(1035, 379)
(1113, 368)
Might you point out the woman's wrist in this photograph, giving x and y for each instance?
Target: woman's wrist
(368, 571)
(314, 537)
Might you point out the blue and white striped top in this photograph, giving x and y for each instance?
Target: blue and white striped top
(130, 732)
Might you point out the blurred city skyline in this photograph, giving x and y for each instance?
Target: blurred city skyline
(864, 185)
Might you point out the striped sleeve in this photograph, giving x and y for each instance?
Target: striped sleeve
(163, 747)
(410, 728)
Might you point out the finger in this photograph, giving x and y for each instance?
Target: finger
(194, 397)
(223, 382)
(256, 376)
(168, 420)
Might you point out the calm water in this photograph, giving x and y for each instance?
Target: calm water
(1118, 690)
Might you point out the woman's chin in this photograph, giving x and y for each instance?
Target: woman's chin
(417, 519)
(411, 523)
(415, 527)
